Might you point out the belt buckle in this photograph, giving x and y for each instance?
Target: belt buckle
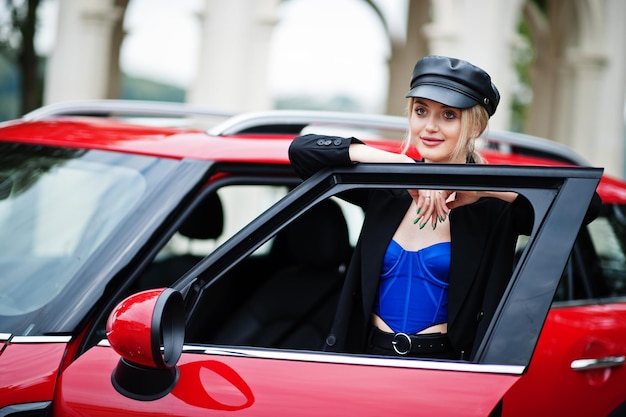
(394, 343)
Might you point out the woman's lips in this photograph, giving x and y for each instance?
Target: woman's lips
(431, 141)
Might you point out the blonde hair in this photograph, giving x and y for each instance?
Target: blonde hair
(474, 121)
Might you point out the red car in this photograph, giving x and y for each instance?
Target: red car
(215, 271)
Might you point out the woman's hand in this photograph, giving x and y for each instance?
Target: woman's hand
(431, 206)
(434, 205)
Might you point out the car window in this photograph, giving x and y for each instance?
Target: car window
(55, 211)
(608, 234)
(239, 204)
(220, 215)
(596, 268)
(284, 295)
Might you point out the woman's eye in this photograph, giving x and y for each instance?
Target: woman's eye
(449, 115)
(420, 111)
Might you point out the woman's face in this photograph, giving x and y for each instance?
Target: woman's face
(435, 130)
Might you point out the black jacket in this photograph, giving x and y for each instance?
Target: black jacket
(483, 240)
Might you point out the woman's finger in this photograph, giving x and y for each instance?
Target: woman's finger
(424, 207)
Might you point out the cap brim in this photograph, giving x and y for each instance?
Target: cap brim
(442, 95)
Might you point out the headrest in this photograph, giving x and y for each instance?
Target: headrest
(319, 238)
(206, 221)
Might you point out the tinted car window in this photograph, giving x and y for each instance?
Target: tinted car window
(283, 295)
(55, 211)
(597, 265)
(217, 216)
(58, 209)
(608, 234)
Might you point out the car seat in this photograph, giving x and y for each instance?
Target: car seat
(294, 308)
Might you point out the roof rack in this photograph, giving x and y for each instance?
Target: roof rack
(128, 108)
(520, 143)
(294, 121)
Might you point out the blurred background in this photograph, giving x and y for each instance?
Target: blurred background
(559, 65)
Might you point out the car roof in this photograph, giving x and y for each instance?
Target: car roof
(120, 136)
(255, 137)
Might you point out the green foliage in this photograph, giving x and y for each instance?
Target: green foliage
(330, 103)
(134, 88)
(9, 90)
(523, 56)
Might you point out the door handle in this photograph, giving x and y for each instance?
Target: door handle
(606, 362)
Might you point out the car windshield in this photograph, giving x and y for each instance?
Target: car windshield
(57, 207)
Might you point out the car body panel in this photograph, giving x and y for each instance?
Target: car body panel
(117, 136)
(29, 371)
(213, 384)
(570, 334)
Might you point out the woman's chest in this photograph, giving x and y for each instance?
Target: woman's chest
(414, 237)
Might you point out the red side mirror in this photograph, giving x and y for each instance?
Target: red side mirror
(147, 330)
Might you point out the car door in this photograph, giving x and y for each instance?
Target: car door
(583, 345)
(159, 373)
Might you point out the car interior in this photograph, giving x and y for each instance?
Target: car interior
(284, 295)
(294, 306)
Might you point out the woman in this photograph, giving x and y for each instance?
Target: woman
(410, 289)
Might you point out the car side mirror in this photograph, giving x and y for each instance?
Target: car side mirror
(147, 330)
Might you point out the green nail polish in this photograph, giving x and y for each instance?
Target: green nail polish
(434, 226)
(418, 210)
(416, 220)
(422, 226)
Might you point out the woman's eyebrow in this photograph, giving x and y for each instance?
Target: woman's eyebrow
(427, 104)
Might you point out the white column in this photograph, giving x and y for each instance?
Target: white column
(588, 113)
(232, 68)
(605, 137)
(404, 54)
(78, 66)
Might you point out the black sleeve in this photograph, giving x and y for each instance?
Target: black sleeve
(523, 215)
(311, 153)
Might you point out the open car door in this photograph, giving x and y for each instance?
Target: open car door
(148, 367)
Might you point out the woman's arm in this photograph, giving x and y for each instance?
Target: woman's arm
(362, 153)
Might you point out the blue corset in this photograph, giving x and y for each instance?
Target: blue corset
(413, 291)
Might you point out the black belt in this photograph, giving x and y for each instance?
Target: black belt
(404, 344)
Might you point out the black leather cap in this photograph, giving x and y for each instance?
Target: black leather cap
(453, 82)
